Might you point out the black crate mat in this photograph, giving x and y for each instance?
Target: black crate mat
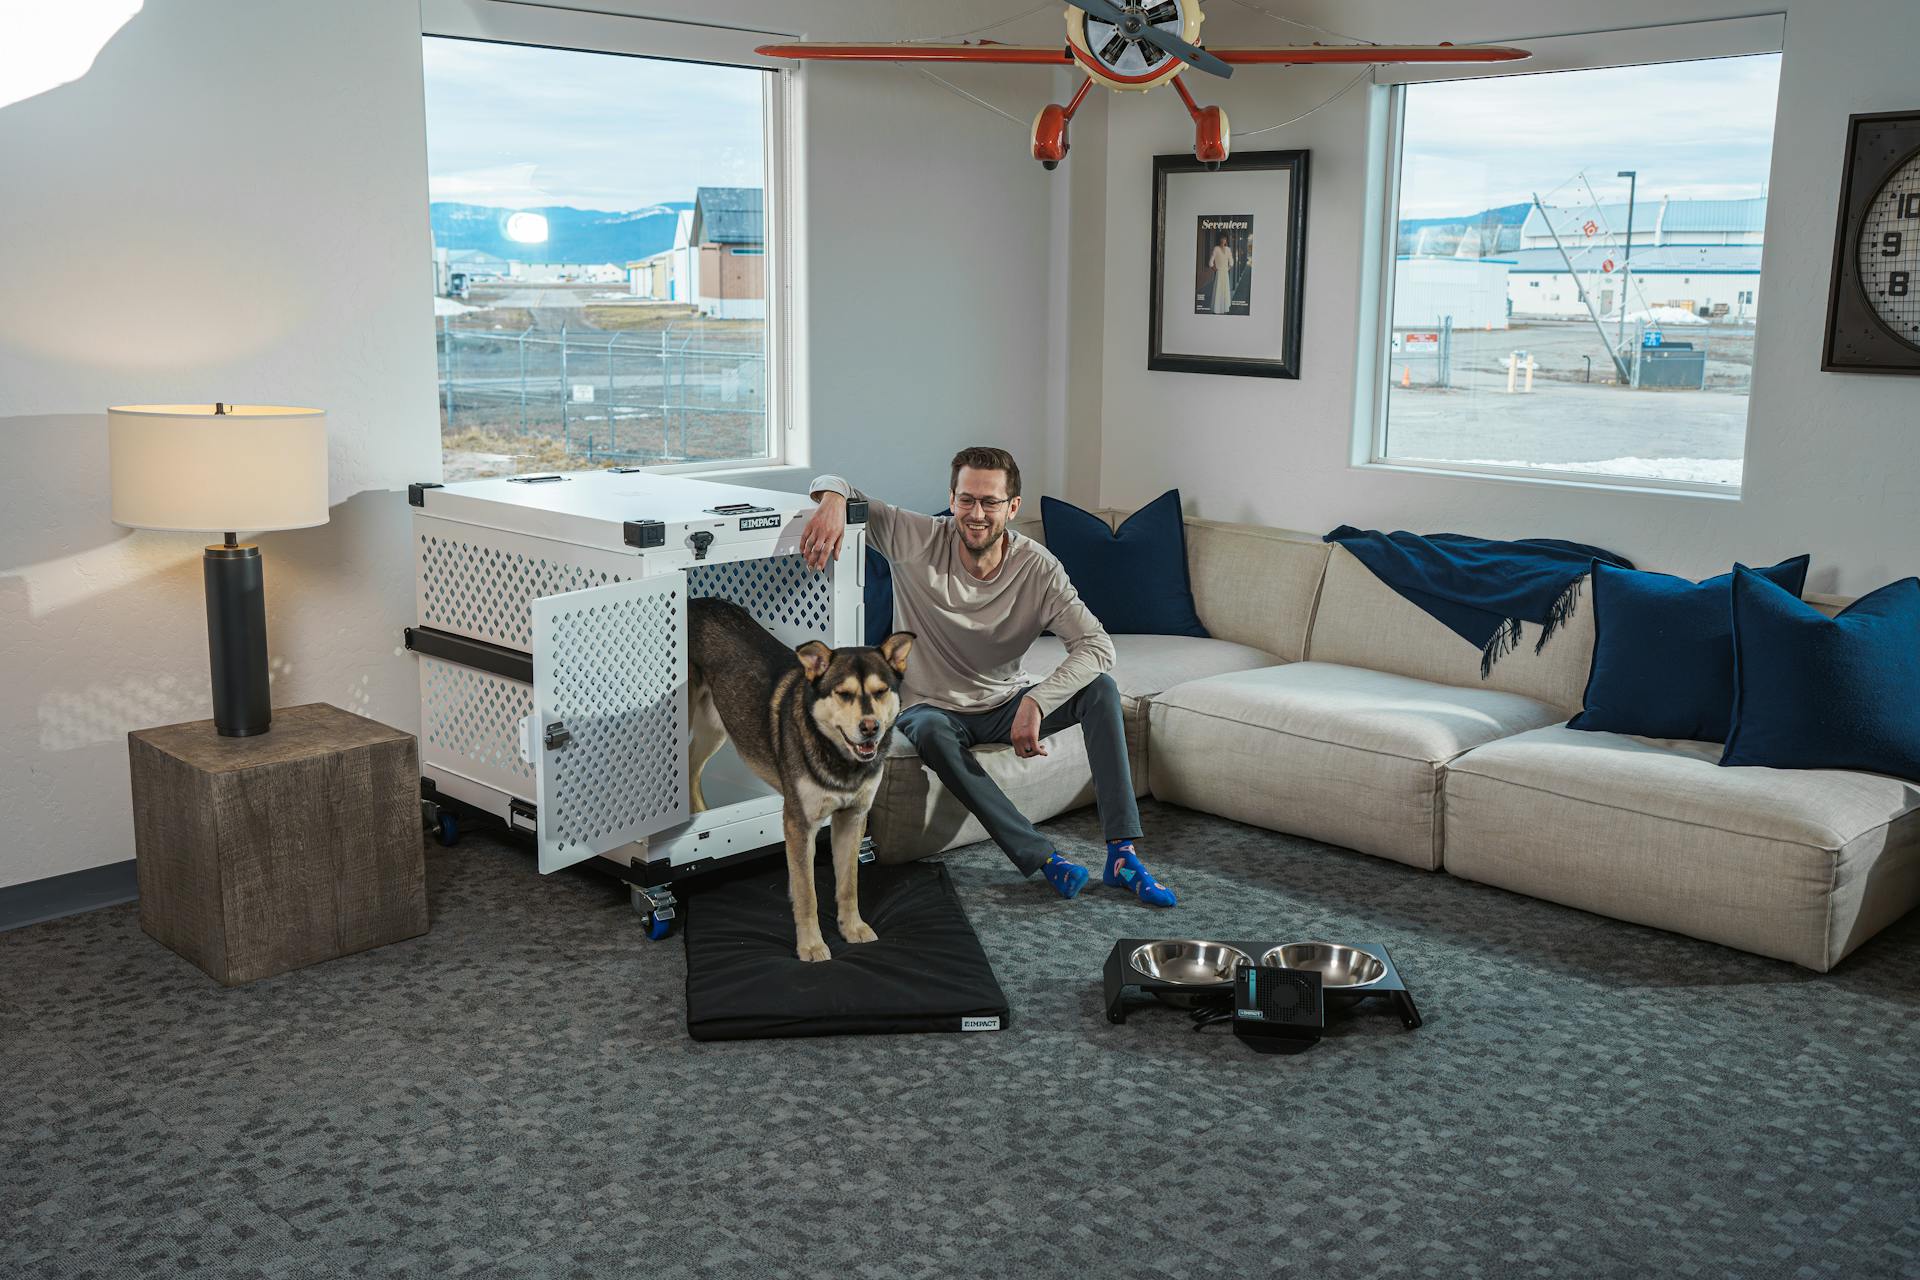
(926, 973)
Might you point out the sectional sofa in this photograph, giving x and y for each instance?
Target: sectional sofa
(1326, 706)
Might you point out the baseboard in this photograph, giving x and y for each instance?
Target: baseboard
(67, 895)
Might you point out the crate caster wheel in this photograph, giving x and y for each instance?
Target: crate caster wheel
(657, 909)
(441, 821)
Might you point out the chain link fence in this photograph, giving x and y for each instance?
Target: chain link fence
(683, 393)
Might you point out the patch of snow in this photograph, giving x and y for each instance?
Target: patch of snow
(1659, 315)
(1724, 471)
(448, 307)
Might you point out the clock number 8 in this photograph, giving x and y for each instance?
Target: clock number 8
(1897, 283)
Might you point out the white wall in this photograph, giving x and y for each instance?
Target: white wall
(1833, 460)
(232, 204)
(927, 320)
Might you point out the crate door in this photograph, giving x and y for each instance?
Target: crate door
(609, 726)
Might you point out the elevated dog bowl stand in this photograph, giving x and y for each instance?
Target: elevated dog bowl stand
(1126, 988)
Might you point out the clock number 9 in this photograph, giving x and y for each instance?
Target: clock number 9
(1890, 244)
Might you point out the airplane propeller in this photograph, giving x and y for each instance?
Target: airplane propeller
(1135, 27)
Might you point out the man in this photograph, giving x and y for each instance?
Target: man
(976, 595)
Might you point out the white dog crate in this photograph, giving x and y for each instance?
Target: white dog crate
(550, 623)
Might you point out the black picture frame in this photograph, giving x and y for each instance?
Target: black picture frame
(1857, 340)
(1284, 361)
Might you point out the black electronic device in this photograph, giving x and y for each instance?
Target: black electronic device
(1277, 1010)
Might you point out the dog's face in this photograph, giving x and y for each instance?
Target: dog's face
(856, 692)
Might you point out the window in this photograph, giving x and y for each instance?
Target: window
(1575, 261)
(608, 250)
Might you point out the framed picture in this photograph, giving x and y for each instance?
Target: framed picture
(1873, 300)
(1229, 250)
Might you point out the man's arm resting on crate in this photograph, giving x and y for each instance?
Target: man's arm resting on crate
(893, 532)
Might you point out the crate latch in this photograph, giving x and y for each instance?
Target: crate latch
(557, 736)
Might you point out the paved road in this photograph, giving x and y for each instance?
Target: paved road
(1566, 419)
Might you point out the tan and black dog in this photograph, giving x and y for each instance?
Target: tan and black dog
(814, 724)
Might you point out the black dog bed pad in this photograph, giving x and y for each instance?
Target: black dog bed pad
(926, 973)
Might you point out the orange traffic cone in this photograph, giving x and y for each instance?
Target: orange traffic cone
(1406, 375)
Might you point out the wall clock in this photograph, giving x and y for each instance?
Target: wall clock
(1873, 304)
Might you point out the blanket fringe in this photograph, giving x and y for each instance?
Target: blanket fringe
(1505, 640)
(1563, 609)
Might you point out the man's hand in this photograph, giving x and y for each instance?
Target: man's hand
(820, 540)
(1026, 730)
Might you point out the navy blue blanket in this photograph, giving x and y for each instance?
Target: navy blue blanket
(1481, 589)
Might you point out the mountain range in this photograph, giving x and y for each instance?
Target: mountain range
(573, 235)
(1498, 230)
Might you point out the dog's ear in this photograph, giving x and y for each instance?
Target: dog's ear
(895, 649)
(814, 656)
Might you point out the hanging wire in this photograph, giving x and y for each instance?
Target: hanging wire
(991, 26)
(1365, 73)
(949, 85)
(1295, 22)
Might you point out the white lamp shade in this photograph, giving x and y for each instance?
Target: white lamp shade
(254, 467)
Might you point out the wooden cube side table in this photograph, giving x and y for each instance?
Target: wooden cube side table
(263, 854)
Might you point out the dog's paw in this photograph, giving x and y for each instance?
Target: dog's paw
(858, 931)
(813, 949)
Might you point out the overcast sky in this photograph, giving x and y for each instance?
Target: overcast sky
(1694, 130)
(517, 127)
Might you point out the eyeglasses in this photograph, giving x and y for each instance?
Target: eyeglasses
(967, 502)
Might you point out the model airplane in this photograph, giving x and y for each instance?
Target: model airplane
(1139, 46)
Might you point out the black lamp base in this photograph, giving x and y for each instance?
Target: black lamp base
(237, 639)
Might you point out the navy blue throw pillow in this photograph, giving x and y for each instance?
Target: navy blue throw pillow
(1813, 692)
(1663, 652)
(878, 597)
(1134, 579)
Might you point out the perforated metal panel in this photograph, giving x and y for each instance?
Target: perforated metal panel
(610, 669)
(481, 583)
(470, 725)
(786, 597)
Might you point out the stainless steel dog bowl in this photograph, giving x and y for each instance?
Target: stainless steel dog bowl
(1187, 962)
(1339, 966)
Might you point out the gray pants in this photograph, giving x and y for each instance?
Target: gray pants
(944, 740)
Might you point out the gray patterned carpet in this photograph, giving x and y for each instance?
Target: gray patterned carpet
(514, 1095)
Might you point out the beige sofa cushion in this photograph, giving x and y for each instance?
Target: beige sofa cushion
(1363, 622)
(1143, 667)
(1799, 864)
(1255, 586)
(1342, 754)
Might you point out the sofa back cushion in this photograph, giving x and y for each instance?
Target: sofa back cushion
(1255, 586)
(1363, 622)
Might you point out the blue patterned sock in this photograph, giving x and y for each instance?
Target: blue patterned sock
(1126, 871)
(1067, 878)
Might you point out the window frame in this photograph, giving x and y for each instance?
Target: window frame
(1635, 46)
(670, 40)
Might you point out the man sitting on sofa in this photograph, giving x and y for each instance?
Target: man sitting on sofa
(976, 595)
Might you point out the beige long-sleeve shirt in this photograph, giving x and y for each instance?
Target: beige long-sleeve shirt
(970, 634)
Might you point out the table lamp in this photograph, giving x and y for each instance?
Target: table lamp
(229, 468)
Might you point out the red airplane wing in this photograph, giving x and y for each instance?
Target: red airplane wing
(1299, 54)
(985, 51)
(989, 51)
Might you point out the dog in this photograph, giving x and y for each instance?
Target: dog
(814, 724)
